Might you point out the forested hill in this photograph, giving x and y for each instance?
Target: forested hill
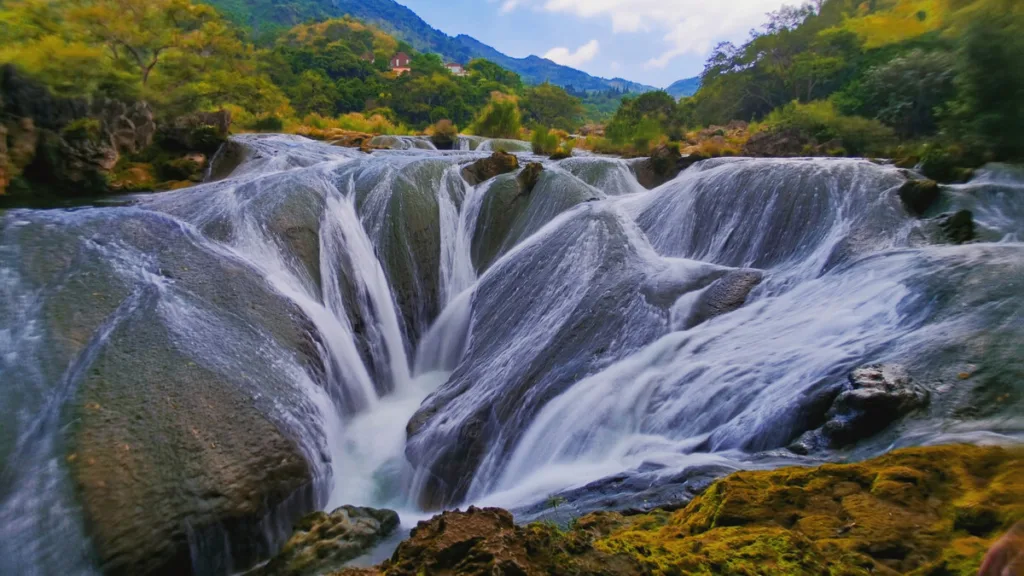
(684, 88)
(266, 17)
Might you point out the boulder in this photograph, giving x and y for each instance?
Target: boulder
(958, 227)
(724, 295)
(874, 397)
(199, 132)
(165, 482)
(690, 159)
(325, 542)
(661, 167)
(785, 143)
(919, 195)
(529, 177)
(498, 163)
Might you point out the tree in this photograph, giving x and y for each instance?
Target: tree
(500, 119)
(550, 106)
(144, 31)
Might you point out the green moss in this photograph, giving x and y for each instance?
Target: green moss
(83, 129)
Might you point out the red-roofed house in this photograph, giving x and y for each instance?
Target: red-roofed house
(400, 60)
(455, 68)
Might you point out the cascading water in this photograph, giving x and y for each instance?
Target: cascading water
(420, 343)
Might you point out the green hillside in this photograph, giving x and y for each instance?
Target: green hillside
(268, 18)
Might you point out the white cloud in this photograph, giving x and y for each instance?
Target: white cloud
(687, 26)
(582, 55)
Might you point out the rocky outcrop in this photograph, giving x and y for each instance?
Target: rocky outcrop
(919, 195)
(958, 227)
(873, 398)
(498, 163)
(916, 511)
(203, 132)
(786, 143)
(324, 542)
(725, 295)
(74, 147)
(529, 176)
(5, 174)
(662, 166)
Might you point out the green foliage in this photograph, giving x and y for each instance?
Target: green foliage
(500, 119)
(83, 129)
(549, 105)
(544, 142)
(268, 124)
(823, 122)
(988, 113)
(644, 120)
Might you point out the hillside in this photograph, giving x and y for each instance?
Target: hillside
(684, 88)
(269, 16)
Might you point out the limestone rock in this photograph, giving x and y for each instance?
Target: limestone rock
(482, 170)
(874, 397)
(323, 542)
(661, 167)
(725, 295)
(919, 195)
(199, 132)
(529, 176)
(958, 227)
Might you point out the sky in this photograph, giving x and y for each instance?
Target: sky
(655, 42)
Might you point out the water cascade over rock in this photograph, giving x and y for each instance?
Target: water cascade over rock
(187, 374)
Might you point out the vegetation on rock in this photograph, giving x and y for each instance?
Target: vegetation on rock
(914, 511)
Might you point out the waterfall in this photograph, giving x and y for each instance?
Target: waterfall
(418, 343)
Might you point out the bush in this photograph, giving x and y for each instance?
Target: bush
(500, 119)
(444, 134)
(355, 122)
(821, 121)
(544, 142)
(268, 124)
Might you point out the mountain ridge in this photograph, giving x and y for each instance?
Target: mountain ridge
(267, 16)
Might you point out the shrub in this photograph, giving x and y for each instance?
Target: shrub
(821, 121)
(545, 142)
(500, 119)
(268, 124)
(443, 134)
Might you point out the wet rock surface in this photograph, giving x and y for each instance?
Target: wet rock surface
(873, 398)
(663, 165)
(500, 162)
(324, 542)
(724, 295)
(914, 511)
(919, 195)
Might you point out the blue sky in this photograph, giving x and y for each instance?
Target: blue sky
(655, 42)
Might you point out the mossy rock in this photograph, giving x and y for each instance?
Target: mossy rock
(499, 163)
(919, 195)
(921, 511)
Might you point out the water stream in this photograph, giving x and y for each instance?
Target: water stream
(423, 343)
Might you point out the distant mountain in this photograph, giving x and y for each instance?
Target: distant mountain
(536, 70)
(685, 87)
(267, 16)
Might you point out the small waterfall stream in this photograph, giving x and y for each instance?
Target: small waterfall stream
(420, 343)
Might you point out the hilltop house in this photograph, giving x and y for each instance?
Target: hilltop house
(400, 63)
(455, 68)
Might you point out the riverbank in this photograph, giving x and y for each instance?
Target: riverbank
(931, 511)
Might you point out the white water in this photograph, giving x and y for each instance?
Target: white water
(565, 358)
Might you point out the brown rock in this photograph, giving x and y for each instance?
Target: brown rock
(661, 167)
(529, 176)
(500, 162)
(324, 542)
